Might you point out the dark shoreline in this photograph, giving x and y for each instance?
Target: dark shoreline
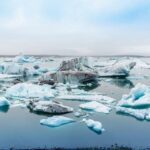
(112, 147)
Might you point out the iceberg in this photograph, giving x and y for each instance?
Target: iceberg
(13, 68)
(87, 98)
(140, 114)
(24, 59)
(139, 96)
(96, 126)
(76, 64)
(136, 103)
(50, 107)
(56, 121)
(29, 91)
(74, 71)
(119, 69)
(4, 102)
(95, 106)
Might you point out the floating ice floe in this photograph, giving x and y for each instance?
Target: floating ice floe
(99, 98)
(119, 69)
(24, 59)
(137, 103)
(28, 91)
(96, 126)
(8, 76)
(56, 121)
(139, 96)
(50, 107)
(95, 106)
(140, 114)
(4, 102)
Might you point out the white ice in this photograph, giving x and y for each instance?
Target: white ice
(139, 96)
(95, 106)
(137, 113)
(28, 91)
(24, 59)
(94, 125)
(56, 121)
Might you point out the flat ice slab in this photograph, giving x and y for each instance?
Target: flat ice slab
(88, 98)
(28, 91)
(95, 106)
(96, 126)
(56, 121)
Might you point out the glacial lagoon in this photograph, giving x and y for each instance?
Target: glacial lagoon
(21, 128)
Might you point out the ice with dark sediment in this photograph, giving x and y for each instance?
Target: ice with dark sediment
(73, 71)
(50, 107)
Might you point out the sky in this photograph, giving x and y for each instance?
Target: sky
(75, 27)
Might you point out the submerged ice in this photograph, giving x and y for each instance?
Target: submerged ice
(56, 121)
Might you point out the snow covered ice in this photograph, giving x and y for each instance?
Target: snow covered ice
(96, 126)
(138, 97)
(56, 121)
(95, 106)
(137, 103)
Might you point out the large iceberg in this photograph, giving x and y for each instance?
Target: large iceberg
(96, 126)
(29, 91)
(118, 69)
(50, 107)
(139, 96)
(56, 121)
(73, 71)
(95, 106)
(136, 103)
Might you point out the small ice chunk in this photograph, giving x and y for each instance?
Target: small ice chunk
(94, 125)
(4, 102)
(95, 106)
(56, 121)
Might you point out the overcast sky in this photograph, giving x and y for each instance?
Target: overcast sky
(75, 27)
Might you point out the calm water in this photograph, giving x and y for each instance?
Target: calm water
(21, 129)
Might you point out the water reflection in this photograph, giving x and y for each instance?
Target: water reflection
(91, 86)
(122, 83)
